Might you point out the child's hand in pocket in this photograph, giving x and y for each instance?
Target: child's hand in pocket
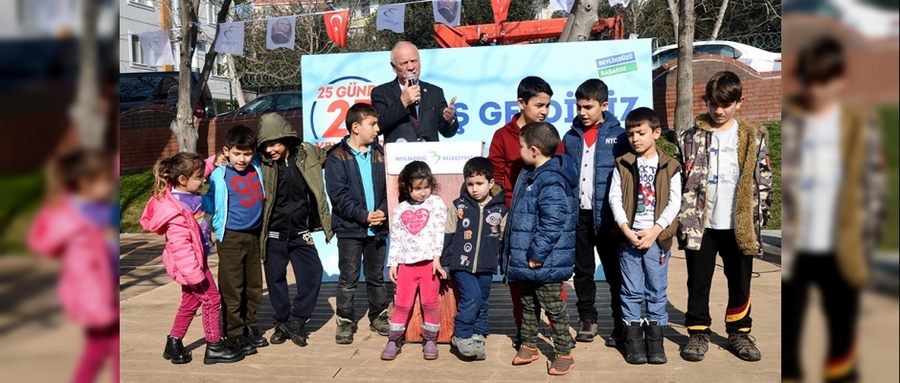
(393, 273)
(534, 264)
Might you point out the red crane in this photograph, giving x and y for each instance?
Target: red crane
(519, 32)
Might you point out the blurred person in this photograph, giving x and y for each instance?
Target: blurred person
(77, 227)
(175, 210)
(832, 189)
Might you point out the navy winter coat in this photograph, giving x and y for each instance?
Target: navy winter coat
(479, 253)
(348, 200)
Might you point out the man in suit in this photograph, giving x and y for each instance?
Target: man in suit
(411, 110)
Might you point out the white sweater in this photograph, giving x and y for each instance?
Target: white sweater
(417, 231)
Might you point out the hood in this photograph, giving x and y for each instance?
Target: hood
(498, 195)
(562, 164)
(272, 126)
(158, 212)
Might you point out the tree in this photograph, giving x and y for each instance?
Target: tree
(580, 21)
(722, 9)
(684, 81)
(87, 112)
(183, 124)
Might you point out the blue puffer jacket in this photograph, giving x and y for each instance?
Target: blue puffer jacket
(541, 224)
(612, 142)
(480, 252)
(348, 200)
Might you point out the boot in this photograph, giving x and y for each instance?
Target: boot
(221, 352)
(241, 342)
(345, 330)
(380, 324)
(635, 352)
(296, 330)
(175, 351)
(429, 344)
(279, 336)
(395, 342)
(617, 338)
(653, 334)
(252, 333)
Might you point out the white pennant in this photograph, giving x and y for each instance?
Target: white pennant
(390, 17)
(447, 11)
(230, 38)
(156, 48)
(563, 5)
(624, 3)
(280, 32)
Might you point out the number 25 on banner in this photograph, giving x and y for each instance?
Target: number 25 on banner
(336, 99)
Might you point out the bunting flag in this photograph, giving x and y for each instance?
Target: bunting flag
(280, 32)
(501, 9)
(336, 23)
(230, 38)
(447, 11)
(156, 48)
(562, 5)
(390, 17)
(623, 3)
(244, 11)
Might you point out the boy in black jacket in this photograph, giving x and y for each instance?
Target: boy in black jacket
(355, 180)
(471, 250)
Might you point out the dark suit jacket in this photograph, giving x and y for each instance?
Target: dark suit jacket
(395, 122)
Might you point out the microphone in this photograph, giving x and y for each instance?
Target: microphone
(411, 80)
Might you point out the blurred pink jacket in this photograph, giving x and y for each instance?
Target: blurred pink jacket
(86, 288)
(183, 255)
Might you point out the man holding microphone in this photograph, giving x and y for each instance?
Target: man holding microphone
(411, 110)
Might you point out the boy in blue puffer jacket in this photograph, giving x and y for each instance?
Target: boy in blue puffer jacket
(471, 250)
(539, 240)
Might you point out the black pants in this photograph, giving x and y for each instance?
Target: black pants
(308, 270)
(240, 280)
(700, 267)
(368, 252)
(841, 304)
(586, 239)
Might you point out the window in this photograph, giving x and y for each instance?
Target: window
(260, 105)
(136, 56)
(220, 68)
(289, 101)
(212, 11)
(144, 3)
(715, 49)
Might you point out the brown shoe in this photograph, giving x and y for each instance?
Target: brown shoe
(562, 365)
(526, 355)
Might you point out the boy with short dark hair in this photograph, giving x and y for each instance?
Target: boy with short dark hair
(727, 179)
(235, 199)
(645, 197)
(540, 239)
(355, 179)
(295, 208)
(471, 249)
(594, 142)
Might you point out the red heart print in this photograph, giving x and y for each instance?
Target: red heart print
(414, 221)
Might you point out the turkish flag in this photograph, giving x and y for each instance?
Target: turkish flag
(336, 23)
(501, 8)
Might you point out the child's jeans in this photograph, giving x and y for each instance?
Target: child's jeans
(100, 344)
(472, 306)
(645, 278)
(206, 297)
(409, 278)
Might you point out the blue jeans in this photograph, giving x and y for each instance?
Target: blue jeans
(472, 304)
(644, 274)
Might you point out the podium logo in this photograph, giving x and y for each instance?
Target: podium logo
(433, 158)
(618, 64)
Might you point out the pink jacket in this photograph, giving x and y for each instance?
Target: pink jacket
(183, 255)
(86, 287)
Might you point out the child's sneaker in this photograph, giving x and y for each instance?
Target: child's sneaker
(696, 348)
(526, 355)
(345, 330)
(467, 347)
(561, 365)
(481, 345)
(586, 332)
(744, 346)
(380, 324)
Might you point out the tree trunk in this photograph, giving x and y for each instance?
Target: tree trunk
(684, 85)
(580, 21)
(183, 125)
(673, 12)
(210, 59)
(235, 82)
(88, 113)
(718, 25)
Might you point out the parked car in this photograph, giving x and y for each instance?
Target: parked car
(758, 59)
(288, 104)
(159, 89)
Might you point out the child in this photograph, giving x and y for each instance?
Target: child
(594, 142)
(76, 227)
(727, 179)
(471, 253)
(175, 211)
(355, 179)
(417, 240)
(648, 225)
(534, 104)
(833, 193)
(235, 200)
(294, 209)
(541, 242)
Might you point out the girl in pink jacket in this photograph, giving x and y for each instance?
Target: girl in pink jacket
(76, 227)
(175, 211)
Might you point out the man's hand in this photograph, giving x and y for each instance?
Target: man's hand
(376, 218)
(534, 264)
(410, 95)
(392, 271)
(450, 110)
(437, 269)
(648, 237)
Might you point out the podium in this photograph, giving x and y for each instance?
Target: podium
(446, 160)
